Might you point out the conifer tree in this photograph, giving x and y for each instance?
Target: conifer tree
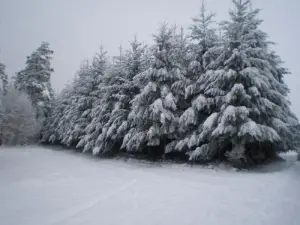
(152, 118)
(96, 101)
(73, 111)
(35, 80)
(184, 54)
(120, 90)
(55, 126)
(3, 78)
(250, 112)
(90, 89)
(73, 114)
(203, 41)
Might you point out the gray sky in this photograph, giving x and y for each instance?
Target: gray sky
(76, 28)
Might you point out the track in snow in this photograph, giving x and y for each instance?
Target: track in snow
(40, 186)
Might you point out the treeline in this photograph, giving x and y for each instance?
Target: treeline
(214, 93)
(25, 102)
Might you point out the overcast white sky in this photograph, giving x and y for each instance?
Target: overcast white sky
(76, 28)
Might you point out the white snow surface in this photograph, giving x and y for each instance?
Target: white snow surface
(40, 186)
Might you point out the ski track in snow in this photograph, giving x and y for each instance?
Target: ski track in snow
(83, 206)
(45, 187)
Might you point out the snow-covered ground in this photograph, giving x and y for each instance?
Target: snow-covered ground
(40, 186)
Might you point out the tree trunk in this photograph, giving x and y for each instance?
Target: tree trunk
(237, 154)
(164, 145)
(238, 150)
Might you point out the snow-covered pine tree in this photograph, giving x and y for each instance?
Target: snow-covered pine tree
(203, 37)
(113, 78)
(79, 112)
(296, 139)
(67, 120)
(152, 118)
(203, 41)
(55, 126)
(251, 114)
(119, 91)
(73, 110)
(34, 80)
(89, 87)
(3, 79)
(184, 54)
(3, 86)
(279, 72)
(101, 110)
(95, 99)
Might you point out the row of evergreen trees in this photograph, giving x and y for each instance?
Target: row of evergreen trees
(214, 93)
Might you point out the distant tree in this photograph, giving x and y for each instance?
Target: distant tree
(34, 80)
(3, 79)
(18, 120)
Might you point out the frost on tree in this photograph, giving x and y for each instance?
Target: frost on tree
(251, 112)
(203, 95)
(18, 119)
(152, 118)
(93, 101)
(78, 111)
(183, 55)
(203, 42)
(35, 80)
(55, 127)
(119, 89)
(100, 111)
(73, 111)
(3, 79)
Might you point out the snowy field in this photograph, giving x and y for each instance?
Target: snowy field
(46, 187)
